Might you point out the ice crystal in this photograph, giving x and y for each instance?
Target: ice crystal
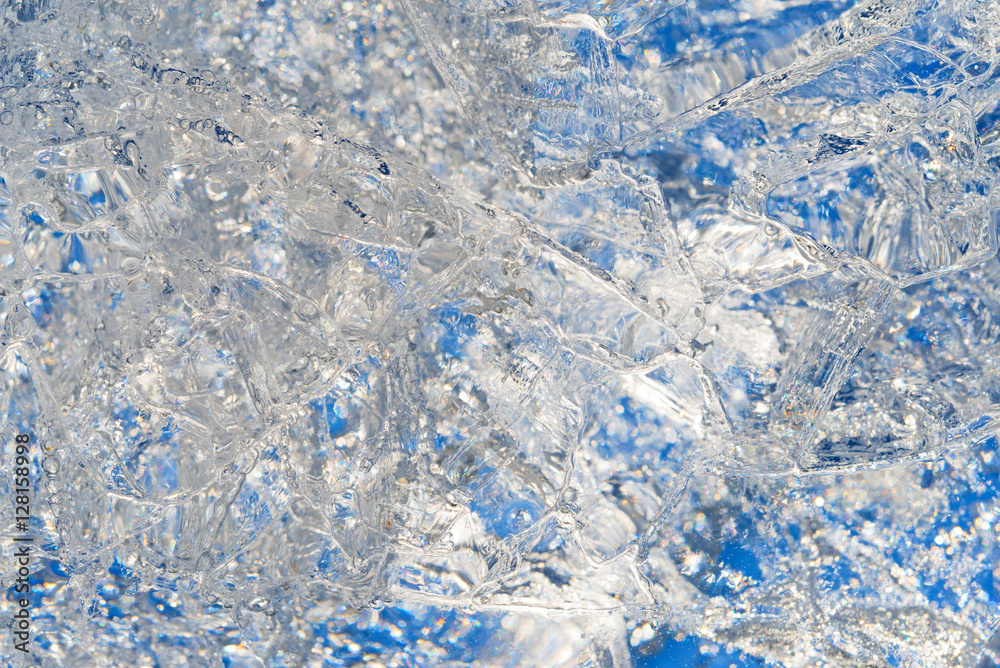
(502, 332)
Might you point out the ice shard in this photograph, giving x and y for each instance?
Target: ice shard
(499, 333)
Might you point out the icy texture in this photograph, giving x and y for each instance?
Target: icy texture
(503, 333)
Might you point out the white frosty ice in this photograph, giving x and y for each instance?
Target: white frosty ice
(503, 333)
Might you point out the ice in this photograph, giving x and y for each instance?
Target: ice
(543, 91)
(502, 333)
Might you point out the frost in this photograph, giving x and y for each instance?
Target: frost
(503, 333)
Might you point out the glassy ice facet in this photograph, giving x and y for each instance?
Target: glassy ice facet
(501, 333)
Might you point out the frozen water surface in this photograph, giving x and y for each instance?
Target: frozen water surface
(502, 332)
